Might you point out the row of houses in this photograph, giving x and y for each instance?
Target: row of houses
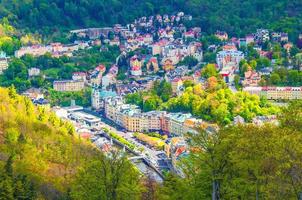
(133, 119)
(55, 49)
(276, 93)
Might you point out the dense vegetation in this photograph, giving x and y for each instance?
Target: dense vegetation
(40, 155)
(212, 101)
(245, 17)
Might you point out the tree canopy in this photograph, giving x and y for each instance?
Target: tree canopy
(51, 15)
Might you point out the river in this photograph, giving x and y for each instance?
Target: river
(141, 164)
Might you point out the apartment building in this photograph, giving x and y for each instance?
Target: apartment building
(133, 119)
(176, 122)
(98, 96)
(68, 85)
(36, 50)
(276, 93)
(227, 56)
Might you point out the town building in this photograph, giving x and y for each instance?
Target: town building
(135, 66)
(133, 119)
(152, 65)
(262, 35)
(68, 85)
(33, 72)
(98, 96)
(79, 76)
(279, 37)
(276, 93)
(3, 64)
(176, 122)
(168, 65)
(36, 50)
(251, 78)
(34, 93)
(177, 85)
(228, 72)
(222, 35)
(249, 39)
(226, 56)
(85, 118)
(108, 80)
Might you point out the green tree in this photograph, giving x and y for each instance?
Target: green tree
(6, 188)
(209, 70)
(237, 81)
(109, 178)
(189, 61)
(275, 79)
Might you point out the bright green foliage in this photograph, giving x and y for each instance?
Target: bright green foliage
(209, 70)
(161, 92)
(214, 103)
(109, 178)
(8, 40)
(121, 139)
(284, 77)
(81, 98)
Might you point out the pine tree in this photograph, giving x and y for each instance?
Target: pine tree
(9, 166)
(6, 188)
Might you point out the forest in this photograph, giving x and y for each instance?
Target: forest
(50, 16)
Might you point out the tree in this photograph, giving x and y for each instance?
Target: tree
(6, 188)
(253, 64)
(294, 51)
(150, 186)
(212, 83)
(263, 62)
(207, 163)
(188, 83)
(189, 61)
(237, 81)
(209, 57)
(275, 79)
(291, 116)
(294, 77)
(209, 70)
(151, 103)
(9, 167)
(108, 178)
(243, 67)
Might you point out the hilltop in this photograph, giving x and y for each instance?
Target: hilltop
(234, 16)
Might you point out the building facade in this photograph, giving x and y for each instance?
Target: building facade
(68, 85)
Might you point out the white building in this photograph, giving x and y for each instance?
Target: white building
(33, 72)
(107, 80)
(3, 64)
(227, 56)
(98, 96)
